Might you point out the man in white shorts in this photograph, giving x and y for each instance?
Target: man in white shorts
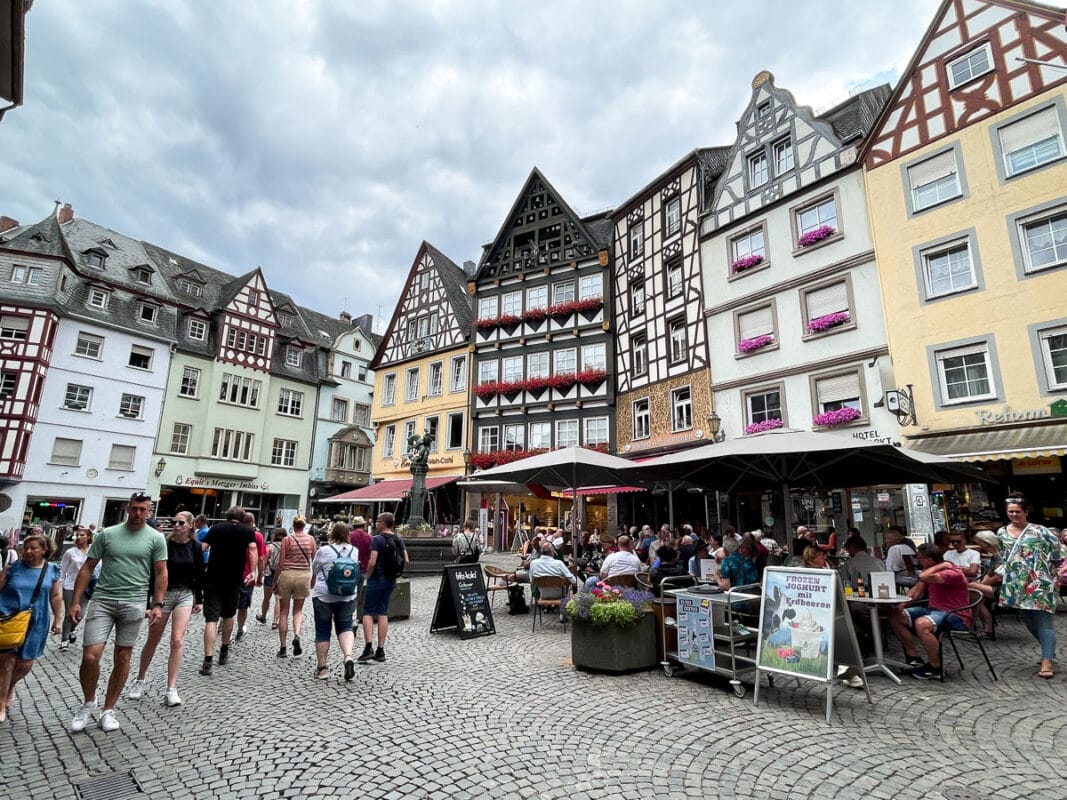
(128, 553)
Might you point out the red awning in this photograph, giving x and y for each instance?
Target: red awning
(386, 491)
(591, 490)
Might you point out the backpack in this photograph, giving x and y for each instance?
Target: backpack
(474, 550)
(391, 557)
(343, 576)
(517, 601)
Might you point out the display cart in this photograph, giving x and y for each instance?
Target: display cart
(712, 625)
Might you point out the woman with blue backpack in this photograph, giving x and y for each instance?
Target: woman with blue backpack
(335, 578)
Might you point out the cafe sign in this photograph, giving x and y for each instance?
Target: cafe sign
(1046, 465)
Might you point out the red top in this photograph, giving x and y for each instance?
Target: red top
(361, 541)
(950, 594)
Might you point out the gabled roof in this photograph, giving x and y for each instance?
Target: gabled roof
(502, 239)
(1053, 15)
(855, 118)
(43, 238)
(712, 160)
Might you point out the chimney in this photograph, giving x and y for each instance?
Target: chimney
(66, 214)
(346, 317)
(6, 224)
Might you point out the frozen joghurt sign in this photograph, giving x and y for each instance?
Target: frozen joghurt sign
(797, 622)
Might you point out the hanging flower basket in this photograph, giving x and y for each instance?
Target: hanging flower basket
(592, 379)
(535, 317)
(563, 382)
(487, 391)
(765, 425)
(817, 235)
(589, 307)
(511, 390)
(509, 323)
(840, 416)
(745, 262)
(561, 312)
(755, 343)
(827, 321)
(536, 387)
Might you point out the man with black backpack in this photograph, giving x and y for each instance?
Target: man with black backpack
(388, 558)
(465, 545)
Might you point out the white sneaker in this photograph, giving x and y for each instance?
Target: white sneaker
(136, 690)
(82, 716)
(855, 682)
(108, 722)
(64, 645)
(172, 697)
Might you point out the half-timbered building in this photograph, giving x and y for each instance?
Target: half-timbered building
(542, 335)
(421, 371)
(85, 331)
(967, 168)
(795, 328)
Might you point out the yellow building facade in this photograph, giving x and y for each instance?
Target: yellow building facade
(967, 185)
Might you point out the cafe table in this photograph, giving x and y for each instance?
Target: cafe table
(873, 604)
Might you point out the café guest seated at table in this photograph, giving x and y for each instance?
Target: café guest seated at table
(548, 565)
(946, 587)
(670, 566)
(860, 563)
(815, 557)
(739, 567)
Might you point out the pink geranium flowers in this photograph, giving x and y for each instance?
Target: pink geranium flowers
(827, 321)
(755, 343)
(817, 235)
(837, 417)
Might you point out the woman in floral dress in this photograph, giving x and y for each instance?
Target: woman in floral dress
(1029, 556)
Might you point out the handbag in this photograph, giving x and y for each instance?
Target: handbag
(14, 627)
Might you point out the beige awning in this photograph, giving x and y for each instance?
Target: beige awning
(997, 444)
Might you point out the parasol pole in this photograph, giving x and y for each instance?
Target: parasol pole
(787, 516)
(670, 504)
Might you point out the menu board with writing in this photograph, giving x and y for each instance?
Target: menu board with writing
(462, 602)
(696, 633)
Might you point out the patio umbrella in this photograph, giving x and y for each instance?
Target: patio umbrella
(785, 458)
(567, 468)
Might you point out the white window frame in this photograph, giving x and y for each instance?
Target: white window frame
(681, 409)
(783, 153)
(389, 441)
(338, 409)
(939, 174)
(590, 287)
(536, 297)
(488, 307)
(78, 397)
(537, 365)
(637, 297)
(283, 453)
(678, 336)
(180, 436)
(1040, 157)
(197, 330)
(946, 250)
(31, 276)
(89, 346)
(642, 420)
(455, 442)
(965, 59)
(567, 433)
(672, 216)
(131, 406)
(675, 277)
(595, 431)
(488, 439)
(190, 383)
(1059, 248)
(636, 239)
(148, 312)
(565, 361)
(514, 437)
(540, 435)
(98, 298)
(488, 370)
(294, 357)
(511, 304)
(859, 402)
(145, 352)
(753, 416)
(229, 444)
(962, 352)
(1046, 357)
(457, 379)
(238, 390)
(511, 369)
(639, 351)
(67, 454)
(435, 379)
(758, 169)
(412, 381)
(563, 292)
(290, 402)
(595, 356)
(389, 389)
(118, 462)
(820, 219)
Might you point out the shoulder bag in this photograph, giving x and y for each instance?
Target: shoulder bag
(14, 627)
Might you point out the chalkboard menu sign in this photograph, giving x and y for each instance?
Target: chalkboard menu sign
(462, 602)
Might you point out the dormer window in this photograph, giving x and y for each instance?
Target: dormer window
(148, 313)
(95, 258)
(286, 320)
(253, 297)
(99, 298)
(294, 356)
(187, 286)
(142, 275)
(197, 329)
(763, 110)
(970, 65)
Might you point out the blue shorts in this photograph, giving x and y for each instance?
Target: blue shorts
(954, 622)
(336, 616)
(376, 598)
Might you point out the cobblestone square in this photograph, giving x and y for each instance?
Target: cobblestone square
(506, 716)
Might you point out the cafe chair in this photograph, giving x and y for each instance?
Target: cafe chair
(497, 580)
(627, 581)
(644, 583)
(541, 603)
(971, 634)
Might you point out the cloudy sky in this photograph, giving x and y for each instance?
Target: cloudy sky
(325, 140)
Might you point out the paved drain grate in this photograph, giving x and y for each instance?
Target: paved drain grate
(112, 786)
(959, 793)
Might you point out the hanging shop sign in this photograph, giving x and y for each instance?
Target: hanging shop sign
(221, 483)
(1046, 465)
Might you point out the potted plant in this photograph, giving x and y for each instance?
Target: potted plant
(510, 390)
(508, 322)
(840, 416)
(745, 262)
(827, 321)
(765, 425)
(561, 312)
(563, 382)
(535, 317)
(817, 235)
(592, 379)
(614, 629)
(589, 307)
(487, 391)
(536, 387)
(755, 343)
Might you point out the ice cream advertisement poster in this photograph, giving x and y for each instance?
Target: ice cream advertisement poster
(797, 622)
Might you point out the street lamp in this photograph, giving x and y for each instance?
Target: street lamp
(714, 428)
(160, 466)
(466, 461)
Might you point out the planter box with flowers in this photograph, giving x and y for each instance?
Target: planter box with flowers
(828, 321)
(765, 425)
(536, 387)
(509, 323)
(480, 460)
(816, 236)
(840, 416)
(614, 630)
(755, 343)
(589, 307)
(562, 384)
(745, 263)
(535, 318)
(591, 379)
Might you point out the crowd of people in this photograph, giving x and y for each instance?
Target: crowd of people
(129, 573)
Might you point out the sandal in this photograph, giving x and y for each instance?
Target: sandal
(1046, 671)
(274, 626)
(261, 619)
(322, 673)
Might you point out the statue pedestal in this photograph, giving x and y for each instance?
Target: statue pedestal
(417, 496)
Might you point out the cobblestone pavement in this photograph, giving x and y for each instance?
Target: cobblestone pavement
(506, 716)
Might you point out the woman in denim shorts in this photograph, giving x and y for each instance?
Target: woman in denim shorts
(333, 612)
(185, 574)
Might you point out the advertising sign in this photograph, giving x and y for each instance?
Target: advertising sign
(797, 623)
(696, 634)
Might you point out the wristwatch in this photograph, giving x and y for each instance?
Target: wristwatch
(157, 605)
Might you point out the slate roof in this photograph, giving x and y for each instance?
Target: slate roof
(42, 238)
(855, 118)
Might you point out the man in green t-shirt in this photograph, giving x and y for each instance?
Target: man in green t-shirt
(129, 555)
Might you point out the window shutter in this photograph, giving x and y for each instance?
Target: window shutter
(1029, 130)
(837, 388)
(755, 323)
(933, 169)
(827, 300)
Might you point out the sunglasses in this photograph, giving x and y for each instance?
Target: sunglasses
(139, 497)
(181, 522)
